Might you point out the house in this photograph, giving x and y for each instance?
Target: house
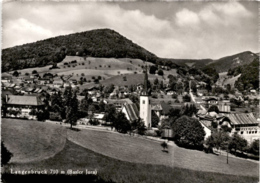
(131, 111)
(223, 107)
(160, 108)
(244, 124)
(6, 79)
(201, 92)
(29, 80)
(206, 129)
(211, 101)
(43, 81)
(253, 92)
(23, 106)
(100, 117)
(58, 83)
(118, 103)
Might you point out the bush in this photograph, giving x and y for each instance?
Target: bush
(6, 155)
(151, 133)
(55, 116)
(94, 122)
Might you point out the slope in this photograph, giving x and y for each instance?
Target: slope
(97, 43)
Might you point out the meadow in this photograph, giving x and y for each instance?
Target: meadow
(123, 158)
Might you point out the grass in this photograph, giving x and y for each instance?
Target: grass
(138, 150)
(32, 140)
(122, 147)
(78, 158)
(224, 80)
(118, 157)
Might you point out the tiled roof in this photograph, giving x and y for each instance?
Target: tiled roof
(119, 101)
(242, 118)
(24, 100)
(132, 111)
(224, 108)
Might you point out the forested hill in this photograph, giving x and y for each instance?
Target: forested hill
(233, 61)
(249, 78)
(96, 43)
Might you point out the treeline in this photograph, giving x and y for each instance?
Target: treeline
(96, 43)
(249, 78)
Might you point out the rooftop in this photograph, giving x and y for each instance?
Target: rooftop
(24, 100)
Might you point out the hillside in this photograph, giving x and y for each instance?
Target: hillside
(233, 61)
(96, 43)
(32, 140)
(249, 78)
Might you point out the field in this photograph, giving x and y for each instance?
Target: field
(110, 69)
(224, 79)
(91, 63)
(32, 140)
(121, 158)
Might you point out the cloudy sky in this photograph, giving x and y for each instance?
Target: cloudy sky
(168, 29)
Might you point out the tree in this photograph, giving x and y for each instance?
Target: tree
(71, 103)
(189, 110)
(121, 123)
(218, 139)
(153, 69)
(188, 132)
(138, 125)
(186, 98)
(57, 104)
(155, 119)
(34, 72)
(156, 81)
(83, 106)
(110, 113)
(237, 143)
(6, 155)
(164, 145)
(254, 147)
(160, 72)
(15, 74)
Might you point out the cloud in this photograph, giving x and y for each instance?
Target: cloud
(23, 31)
(186, 32)
(187, 18)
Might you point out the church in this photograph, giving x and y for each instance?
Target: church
(145, 103)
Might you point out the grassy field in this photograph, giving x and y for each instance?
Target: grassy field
(118, 157)
(137, 150)
(112, 170)
(131, 79)
(224, 80)
(32, 140)
(122, 147)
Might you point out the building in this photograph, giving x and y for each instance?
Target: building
(130, 111)
(145, 103)
(58, 83)
(118, 103)
(246, 125)
(23, 106)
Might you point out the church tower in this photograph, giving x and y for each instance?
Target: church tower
(145, 103)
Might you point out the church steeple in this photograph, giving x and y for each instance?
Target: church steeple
(145, 89)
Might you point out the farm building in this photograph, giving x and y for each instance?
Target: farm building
(23, 106)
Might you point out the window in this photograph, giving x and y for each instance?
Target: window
(249, 132)
(143, 101)
(255, 131)
(241, 132)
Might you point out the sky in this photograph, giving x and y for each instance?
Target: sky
(189, 30)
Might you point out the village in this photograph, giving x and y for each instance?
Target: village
(40, 97)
